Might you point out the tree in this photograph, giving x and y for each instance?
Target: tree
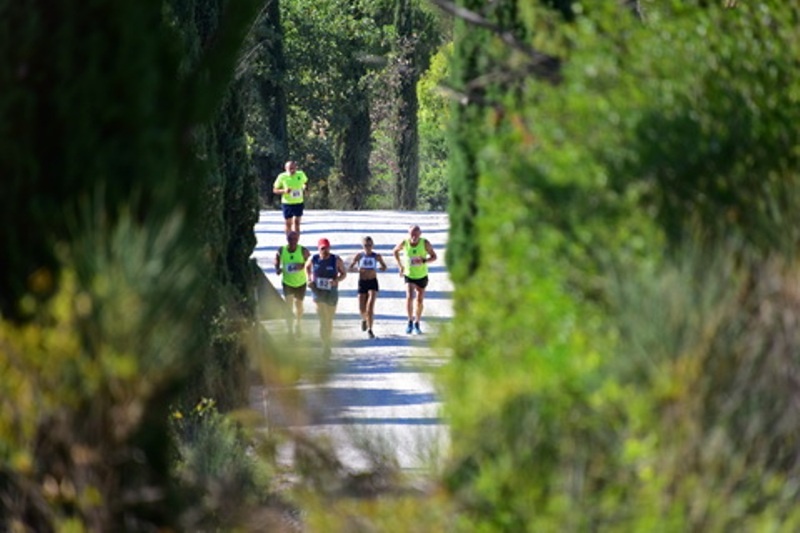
(351, 130)
(614, 234)
(110, 292)
(479, 93)
(407, 141)
(264, 67)
(434, 116)
(329, 52)
(231, 209)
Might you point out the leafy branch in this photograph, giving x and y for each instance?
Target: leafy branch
(543, 66)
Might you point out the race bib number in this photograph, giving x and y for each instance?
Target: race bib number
(294, 267)
(324, 284)
(416, 261)
(368, 263)
(296, 193)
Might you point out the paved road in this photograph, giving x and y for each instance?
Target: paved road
(379, 391)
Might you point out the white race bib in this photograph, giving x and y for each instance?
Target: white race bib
(416, 261)
(368, 263)
(324, 284)
(294, 267)
(296, 193)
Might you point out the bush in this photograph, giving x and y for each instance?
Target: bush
(219, 465)
(624, 256)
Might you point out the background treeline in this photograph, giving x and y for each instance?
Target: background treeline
(335, 87)
(622, 187)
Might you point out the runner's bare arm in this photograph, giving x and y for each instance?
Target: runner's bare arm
(341, 271)
(352, 267)
(309, 272)
(396, 253)
(431, 252)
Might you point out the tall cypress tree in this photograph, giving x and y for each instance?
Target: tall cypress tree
(469, 54)
(407, 139)
(353, 140)
(102, 183)
(267, 114)
(482, 74)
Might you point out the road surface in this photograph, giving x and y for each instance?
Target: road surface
(376, 394)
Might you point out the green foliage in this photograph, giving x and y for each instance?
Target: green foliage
(701, 348)
(516, 454)
(613, 238)
(229, 197)
(85, 381)
(433, 119)
(216, 464)
(263, 69)
(720, 150)
(342, 82)
(328, 52)
(120, 109)
(108, 292)
(417, 511)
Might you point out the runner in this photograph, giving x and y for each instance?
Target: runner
(291, 185)
(325, 271)
(366, 264)
(290, 264)
(418, 253)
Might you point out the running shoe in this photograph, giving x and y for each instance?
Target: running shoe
(410, 327)
(363, 325)
(417, 331)
(371, 335)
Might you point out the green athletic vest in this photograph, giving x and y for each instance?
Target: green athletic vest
(293, 181)
(293, 266)
(415, 268)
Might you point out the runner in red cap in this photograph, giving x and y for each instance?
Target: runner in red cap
(325, 271)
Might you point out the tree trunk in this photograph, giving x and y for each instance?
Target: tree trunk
(407, 141)
(355, 145)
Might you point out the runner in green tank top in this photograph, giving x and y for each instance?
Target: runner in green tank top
(414, 267)
(290, 264)
(291, 185)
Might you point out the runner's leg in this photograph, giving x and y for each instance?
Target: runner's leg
(419, 306)
(370, 312)
(298, 313)
(362, 304)
(409, 305)
(410, 300)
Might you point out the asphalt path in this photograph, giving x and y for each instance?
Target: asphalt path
(376, 399)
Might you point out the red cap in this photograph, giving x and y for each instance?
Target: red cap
(323, 243)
